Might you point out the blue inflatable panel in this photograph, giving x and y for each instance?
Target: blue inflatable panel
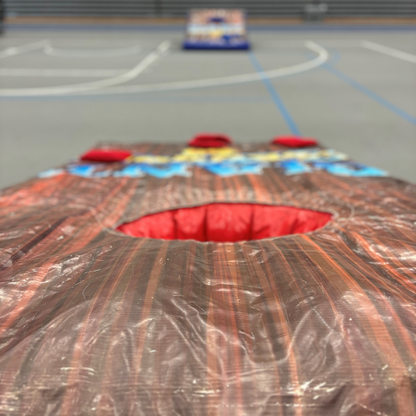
(217, 46)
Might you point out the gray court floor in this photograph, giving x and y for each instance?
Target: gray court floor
(63, 91)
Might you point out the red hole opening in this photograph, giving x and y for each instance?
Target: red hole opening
(226, 223)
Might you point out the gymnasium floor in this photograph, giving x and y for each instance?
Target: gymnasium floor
(63, 91)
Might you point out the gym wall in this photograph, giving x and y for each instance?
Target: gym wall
(174, 8)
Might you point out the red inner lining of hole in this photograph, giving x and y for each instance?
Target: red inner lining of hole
(226, 223)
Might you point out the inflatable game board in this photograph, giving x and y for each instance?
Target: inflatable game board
(211, 279)
(216, 29)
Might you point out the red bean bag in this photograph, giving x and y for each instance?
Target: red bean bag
(293, 141)
(210, 140)
(106, 155)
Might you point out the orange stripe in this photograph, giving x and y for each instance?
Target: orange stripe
(146, 309)
(397, 367)
(73, 375)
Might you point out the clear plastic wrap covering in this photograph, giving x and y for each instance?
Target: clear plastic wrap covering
(95, 322)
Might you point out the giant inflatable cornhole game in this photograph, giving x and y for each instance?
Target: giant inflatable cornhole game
(216, 29)
(211, 279)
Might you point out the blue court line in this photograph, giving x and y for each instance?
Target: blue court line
(371, 94)
(275, 96)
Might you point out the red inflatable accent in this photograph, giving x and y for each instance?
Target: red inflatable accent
(226, 223)
(210, 140)
(293, 141)
(106, 155)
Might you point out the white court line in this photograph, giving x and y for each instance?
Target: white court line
(90, 86)
(66, 73)
(98, 88)
(299, 43)
(91, 53)
(17, 50)
(339, 43)
(323, 56)
(389, 51)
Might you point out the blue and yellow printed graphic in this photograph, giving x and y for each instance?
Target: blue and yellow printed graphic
(224, 162)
